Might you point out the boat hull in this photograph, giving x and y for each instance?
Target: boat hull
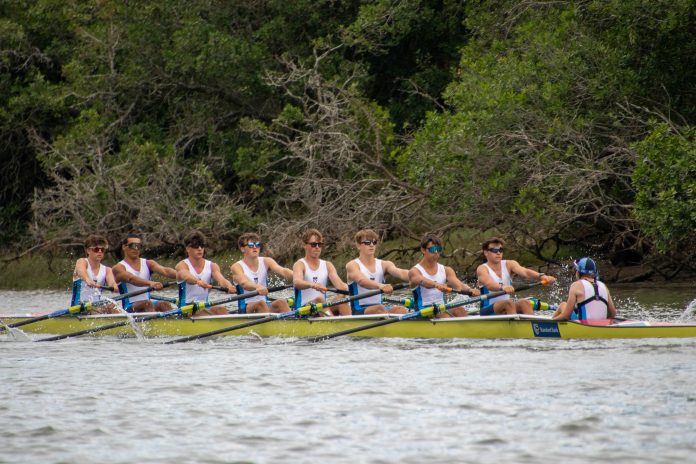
(510, 327)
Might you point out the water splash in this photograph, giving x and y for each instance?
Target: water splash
(16, 334)
(136, 328)
(689, 312)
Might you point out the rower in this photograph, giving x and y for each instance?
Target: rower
(311, 275)
(367, 273)
(195, 274)
(496, 275)
(90, 276)
(251, 274)
(588, 298)
(133, 273)
(430, 279)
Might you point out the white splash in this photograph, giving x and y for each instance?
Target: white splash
(689, 312)
(136, 328)
(15, 333)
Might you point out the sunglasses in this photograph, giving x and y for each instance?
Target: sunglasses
(495, 250)
(196, 245)
(316, 244)
(98, 249)
(254, 244)
(134, 246)
(435, 249)
(369, 242)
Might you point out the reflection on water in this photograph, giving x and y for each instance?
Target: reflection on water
(245, 399)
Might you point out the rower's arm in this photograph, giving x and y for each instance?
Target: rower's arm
(457, 284)
(184, 275)
(611, 309)
(216, 274)
(564, 315)
(516, 268)
(334, 278)
(81, 272)
(273, 266)
(241, 278)
(298, 278)
(121, 275)
(161, 270)
(110, 281)
(394, 271)
(355, 275)
(415, 278)
(486, 280)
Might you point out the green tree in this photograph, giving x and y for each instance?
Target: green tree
(665, 183)
(550, 95)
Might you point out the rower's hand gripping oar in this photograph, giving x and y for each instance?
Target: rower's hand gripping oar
(82, 307)
(430, 311)
(184, 310)
(301, 311)
(220, 288)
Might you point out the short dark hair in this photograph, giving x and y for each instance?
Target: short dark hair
(486, 243)
(131, 235)
(96, 240)
(427, 238)
(195, 237)
(247, 237)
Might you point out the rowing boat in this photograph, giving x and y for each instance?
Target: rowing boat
(504, 326)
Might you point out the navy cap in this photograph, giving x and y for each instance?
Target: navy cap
(586, 266)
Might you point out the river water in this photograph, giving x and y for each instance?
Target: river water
(242, 399)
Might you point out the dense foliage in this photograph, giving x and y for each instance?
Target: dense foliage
(553, 123)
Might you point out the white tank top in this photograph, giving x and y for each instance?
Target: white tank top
(377, 276)
(504, 279)
(259, 277)
(194, 292)
(86, 293)
(428, 296)
(319, 276)
(143, 273)
(595, 309)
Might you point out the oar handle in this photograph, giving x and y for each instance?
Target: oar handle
(340, 292)
(193, 307)
(314, 308)
(133, 293)
(219, 288)
(106, 287)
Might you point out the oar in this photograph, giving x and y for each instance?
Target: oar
(82, 307)
(340, 292)
(406, 302)
(184, 310)
(106, 287)
(425, 312)
(301, 311)
(220, 288)
(168, 299)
